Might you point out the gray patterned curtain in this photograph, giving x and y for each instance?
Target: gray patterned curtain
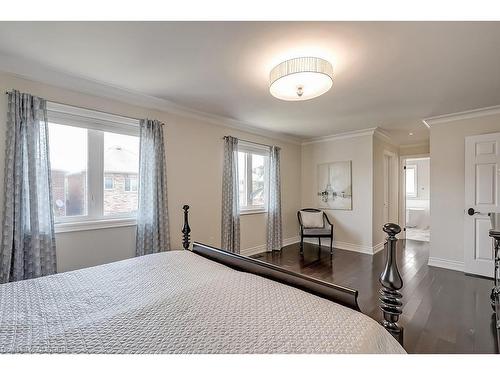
(274, 234)
(152, 234)
(230, 238)
(28, 247)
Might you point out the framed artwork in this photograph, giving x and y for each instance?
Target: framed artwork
(335, 185)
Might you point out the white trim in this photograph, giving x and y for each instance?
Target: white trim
(253, 211)
(445, 263)
(379, 247)
(364, 249)
(30, 70)
(384, 137)
(253, 250)
(375, 132)
(90, 119)
(464, 115)
(345, 135)
(94, 224)
(263, 248)
(253, 148)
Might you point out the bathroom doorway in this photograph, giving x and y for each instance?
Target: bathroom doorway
(417, 198)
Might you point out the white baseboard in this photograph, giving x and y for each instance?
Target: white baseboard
(349, 246)
(445, 263)
(291, 240)
(337, 244)
(253, 250)
(378, 247)
(262, 248)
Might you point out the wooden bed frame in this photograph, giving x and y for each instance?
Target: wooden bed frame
(390, 278)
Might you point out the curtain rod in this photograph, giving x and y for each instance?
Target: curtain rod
(90, 109)
(255, 143)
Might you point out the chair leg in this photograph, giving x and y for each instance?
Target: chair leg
(301, 245)
(319, 241)
(331, 245)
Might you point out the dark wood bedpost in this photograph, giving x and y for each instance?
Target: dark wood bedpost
(390, 297)
(185, 229)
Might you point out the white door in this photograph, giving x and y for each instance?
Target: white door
(482, 168)
(387, 184)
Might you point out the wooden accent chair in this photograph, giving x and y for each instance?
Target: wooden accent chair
(310, 226)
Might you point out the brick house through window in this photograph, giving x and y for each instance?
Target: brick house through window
(120, 185)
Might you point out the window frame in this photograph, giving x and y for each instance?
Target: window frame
(254, 149)
(415, 181)
(112, 183)
(96, 123)
(130, 179)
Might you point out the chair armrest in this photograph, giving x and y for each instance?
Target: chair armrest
(327, 220)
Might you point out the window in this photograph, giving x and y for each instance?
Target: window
(108, 183)
(252, 171)
(121, 164)
(94, 161)
(68, 163)
(131, 184)
(411, 181)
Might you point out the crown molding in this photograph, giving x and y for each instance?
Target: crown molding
(32, 71)
(474, 113)
(344, 135)
(375, 132)
(384, 136)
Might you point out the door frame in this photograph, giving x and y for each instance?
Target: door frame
(392, 182)
(470, 266)
(402, 189)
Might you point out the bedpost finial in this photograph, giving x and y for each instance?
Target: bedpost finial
(391, 281)
(186, 229)
(391, 229)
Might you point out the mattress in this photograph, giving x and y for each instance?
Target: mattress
(177, 302)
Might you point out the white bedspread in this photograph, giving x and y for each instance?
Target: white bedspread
(177, 302)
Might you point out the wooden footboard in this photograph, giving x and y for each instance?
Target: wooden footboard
(339, 294)
(390, 279)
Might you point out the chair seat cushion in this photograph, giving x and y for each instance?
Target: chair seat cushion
(312, 219)
(317, 231)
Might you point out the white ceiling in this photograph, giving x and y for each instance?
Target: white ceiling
(387, 74)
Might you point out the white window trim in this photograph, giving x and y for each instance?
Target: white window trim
(253, 211)
(78, 226)
(253, 148)
(415, 181)
(96, 122)
(91, 119)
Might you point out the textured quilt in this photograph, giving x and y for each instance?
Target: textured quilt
(177, 302)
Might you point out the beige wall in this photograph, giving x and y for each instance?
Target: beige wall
(380, 148)
(353, 229)
(194, 157)
(447, 183)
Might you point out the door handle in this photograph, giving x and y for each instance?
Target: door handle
(472, 212)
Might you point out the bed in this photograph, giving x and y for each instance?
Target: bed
(199, 301)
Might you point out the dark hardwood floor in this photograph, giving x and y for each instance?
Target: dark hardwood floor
(444, 311)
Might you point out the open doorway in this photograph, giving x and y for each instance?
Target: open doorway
(417, 198)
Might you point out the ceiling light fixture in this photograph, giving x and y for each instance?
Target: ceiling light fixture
(301, 78)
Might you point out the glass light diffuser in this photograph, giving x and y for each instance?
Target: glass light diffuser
(301, 78)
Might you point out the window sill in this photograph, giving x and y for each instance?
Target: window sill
(253, 212)
(94, 224)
